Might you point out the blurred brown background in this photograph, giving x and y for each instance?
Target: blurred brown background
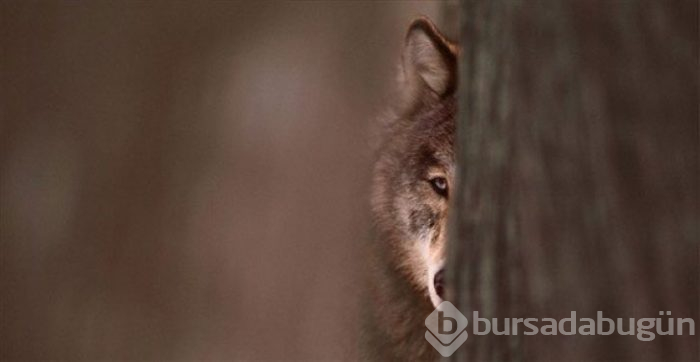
(188, 179)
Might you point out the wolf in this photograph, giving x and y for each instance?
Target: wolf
(411, 186)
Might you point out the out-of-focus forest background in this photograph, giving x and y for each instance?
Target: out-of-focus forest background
(188, 179)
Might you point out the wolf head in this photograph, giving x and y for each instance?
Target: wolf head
(414, 172)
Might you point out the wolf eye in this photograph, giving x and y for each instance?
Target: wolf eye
(439, 184)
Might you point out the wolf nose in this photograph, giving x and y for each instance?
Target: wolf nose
(439, 283)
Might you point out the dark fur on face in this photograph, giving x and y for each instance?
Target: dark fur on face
(410, 214)
(412, 183)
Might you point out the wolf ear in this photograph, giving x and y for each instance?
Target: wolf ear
(429, 59)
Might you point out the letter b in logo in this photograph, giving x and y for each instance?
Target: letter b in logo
(446, 329)
(441, 323)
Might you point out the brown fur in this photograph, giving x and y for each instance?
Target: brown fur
(417, 143)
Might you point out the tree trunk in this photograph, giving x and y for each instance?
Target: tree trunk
(578, 174)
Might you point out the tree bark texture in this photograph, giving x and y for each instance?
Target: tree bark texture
(578, 173)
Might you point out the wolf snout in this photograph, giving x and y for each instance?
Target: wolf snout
(439, 283)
